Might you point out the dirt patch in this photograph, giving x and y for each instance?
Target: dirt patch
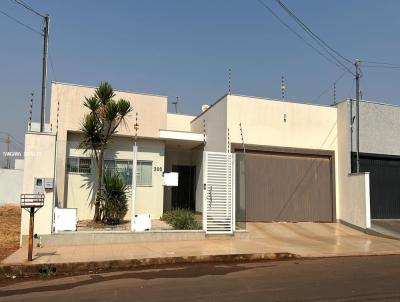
(90, 225)
(10, 221)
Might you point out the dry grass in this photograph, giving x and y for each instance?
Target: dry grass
(10, 221)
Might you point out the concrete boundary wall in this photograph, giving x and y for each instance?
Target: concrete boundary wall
(354, 193)
(355, 201)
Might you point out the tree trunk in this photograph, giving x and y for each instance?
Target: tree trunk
(97, 214)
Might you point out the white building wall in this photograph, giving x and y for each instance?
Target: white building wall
(214, 120)
(79, 187)
(39, 163)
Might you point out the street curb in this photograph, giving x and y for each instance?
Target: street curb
(51, 269)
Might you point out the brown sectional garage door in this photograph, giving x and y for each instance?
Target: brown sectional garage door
(288, 187)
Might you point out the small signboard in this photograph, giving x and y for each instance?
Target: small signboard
(171, 179)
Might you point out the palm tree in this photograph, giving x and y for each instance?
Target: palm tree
(98, 127)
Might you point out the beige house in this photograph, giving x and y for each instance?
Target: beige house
(290, 159)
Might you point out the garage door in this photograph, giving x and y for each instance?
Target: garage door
(288, 187)
(384, 185)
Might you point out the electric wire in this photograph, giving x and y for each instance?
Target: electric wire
(22, 3)
(330, 86)
(316, 38)
(300, 36)
(381, 63)
(21, 23)
(306, 28)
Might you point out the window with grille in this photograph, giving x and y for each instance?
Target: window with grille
(81, 165)
(85, 165)
(124, 169)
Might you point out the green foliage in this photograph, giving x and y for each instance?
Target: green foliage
(114, 200)
(99, 125)
(181, 219)
(104, 93)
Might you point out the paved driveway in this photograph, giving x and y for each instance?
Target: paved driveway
(310, 239)
(302, 239)
(389, 227)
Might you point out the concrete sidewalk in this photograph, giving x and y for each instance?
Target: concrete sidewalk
(265, 241)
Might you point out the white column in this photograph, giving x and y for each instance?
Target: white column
(133, 199)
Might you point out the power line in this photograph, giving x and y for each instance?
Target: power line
(316, 38)
(310, 31)
(22, 3)
(330, 86)
(12, 137)
(381, 63)
(381, 66)
(21, 23)
(300, 36)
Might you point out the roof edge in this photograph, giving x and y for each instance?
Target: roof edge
(117, 90)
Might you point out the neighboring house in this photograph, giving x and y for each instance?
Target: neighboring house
(11, 183)
(379, 154)
(292, 160)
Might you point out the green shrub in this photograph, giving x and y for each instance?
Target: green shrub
(181, 219)
(114, 201)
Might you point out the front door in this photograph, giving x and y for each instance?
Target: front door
(183, 196)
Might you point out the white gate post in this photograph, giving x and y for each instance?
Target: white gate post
(205, 191)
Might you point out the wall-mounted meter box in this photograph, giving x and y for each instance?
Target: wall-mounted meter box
(38, 186)
(49, 183)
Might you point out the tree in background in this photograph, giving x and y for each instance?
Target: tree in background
(98, 127)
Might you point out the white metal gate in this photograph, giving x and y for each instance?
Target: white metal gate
(218, 192)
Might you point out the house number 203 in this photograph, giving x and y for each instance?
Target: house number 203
(157, 169)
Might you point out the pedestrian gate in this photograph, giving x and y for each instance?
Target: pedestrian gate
(218, 192)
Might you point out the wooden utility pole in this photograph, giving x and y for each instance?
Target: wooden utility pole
(31, 224)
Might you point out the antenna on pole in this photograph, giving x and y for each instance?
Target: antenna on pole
(241, 135)
(229, 80)
(283, 87)
(334, 92)
(30, 112)
(176, 104)
(204, 132)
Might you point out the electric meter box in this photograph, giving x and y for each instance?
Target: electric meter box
(49, 183)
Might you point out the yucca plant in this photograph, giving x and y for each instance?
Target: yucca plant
(114, 200)
(98, 126)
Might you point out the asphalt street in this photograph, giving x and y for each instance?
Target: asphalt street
(375, 278)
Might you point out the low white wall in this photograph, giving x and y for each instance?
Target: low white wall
(355, 200)
(11, 185)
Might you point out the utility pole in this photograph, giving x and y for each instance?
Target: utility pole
(357, 65)
(44, 71)
(8, 150)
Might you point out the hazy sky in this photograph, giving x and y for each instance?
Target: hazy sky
(185, 48)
